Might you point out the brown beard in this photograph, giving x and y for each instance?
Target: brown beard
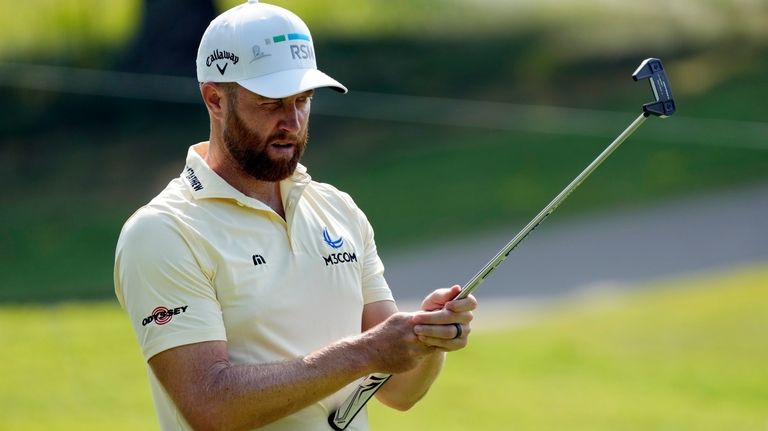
(249, 149)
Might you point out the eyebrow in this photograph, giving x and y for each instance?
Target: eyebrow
(308, 93)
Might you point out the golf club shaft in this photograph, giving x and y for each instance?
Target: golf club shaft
(341, 418)
(475, 281)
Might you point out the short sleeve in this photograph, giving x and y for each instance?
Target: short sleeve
(161, 282)
(375, 287)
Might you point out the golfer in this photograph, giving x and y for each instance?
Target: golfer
(256, 294)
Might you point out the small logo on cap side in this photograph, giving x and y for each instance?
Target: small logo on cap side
(222, 69)
(290, 36)
(258, 53)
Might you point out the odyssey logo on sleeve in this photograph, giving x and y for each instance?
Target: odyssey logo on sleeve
(162, 315)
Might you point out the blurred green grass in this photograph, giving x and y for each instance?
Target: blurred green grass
(682, 354)
(687, 358)
(72, 367)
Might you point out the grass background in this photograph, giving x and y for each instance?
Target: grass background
(682, 354)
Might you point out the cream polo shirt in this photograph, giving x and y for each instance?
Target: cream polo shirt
(204, 262)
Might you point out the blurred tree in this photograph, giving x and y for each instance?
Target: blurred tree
(168, 37)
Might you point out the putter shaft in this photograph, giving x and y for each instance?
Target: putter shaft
(662, 106)
(340, 419)
(478, 278)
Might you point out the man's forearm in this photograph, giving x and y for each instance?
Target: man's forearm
(284, 388)
(212, 393)
(244, 396)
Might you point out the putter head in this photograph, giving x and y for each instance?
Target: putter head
(664, 106)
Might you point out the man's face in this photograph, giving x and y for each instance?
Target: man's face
(271, 148)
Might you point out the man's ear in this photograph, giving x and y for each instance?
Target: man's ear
(215, 99)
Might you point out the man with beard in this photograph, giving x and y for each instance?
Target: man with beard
(256, 294)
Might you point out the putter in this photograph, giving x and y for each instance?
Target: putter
(663, 106)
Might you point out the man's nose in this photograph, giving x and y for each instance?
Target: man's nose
(293, 118)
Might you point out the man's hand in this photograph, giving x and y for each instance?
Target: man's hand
(433, 329)
(394, 346)
(435, 325)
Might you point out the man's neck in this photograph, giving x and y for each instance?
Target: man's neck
(266, 192)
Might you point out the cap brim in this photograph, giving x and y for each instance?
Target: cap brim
(289, 82)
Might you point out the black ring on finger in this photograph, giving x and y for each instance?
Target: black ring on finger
(459, 331)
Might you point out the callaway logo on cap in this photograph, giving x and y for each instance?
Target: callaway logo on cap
(264, 48)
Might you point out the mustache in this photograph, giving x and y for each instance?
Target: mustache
(284, 137)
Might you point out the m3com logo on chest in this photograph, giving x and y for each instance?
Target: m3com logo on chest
(337, 258)
(333, 243)
(340, 257)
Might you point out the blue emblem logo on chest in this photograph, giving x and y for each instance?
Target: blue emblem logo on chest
(334, 243)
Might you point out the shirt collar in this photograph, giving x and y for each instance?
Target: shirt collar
(203, 183)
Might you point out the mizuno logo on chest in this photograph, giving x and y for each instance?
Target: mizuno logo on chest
(258, 260)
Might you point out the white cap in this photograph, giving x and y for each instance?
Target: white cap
(264, 48)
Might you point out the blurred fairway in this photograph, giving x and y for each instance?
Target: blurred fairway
(685, 354)
(688, 358)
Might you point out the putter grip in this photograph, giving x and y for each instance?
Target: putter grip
(342, 417)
